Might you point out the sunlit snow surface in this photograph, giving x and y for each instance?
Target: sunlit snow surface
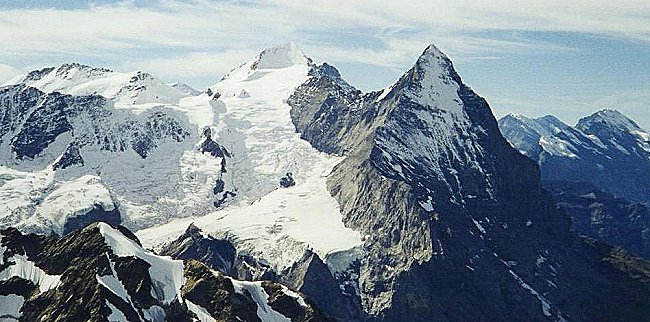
(173, 185)
(275, 223)
(132, 87)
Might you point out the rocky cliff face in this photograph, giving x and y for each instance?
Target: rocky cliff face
(112, 278)
(606, 149)
(456, 223)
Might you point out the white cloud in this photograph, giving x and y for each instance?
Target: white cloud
(7, 72)
(218, 27)
(201, 40)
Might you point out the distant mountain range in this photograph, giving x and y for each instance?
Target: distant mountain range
(598, 172)
(606, 149)
(283, 193)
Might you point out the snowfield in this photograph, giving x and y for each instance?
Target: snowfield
(245, 113)
(277, 224)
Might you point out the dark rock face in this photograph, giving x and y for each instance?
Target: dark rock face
(313, 278)
(70, 157)
(111, 217)
(84, 257)
(50, 119)
(286, 304)
(458, 225)
(606, 149)
(31, 120)
(16, 102)
(38, 74)
(210, 146)
(287, 181)
(601, 216)
(216, 253)
(217, 295)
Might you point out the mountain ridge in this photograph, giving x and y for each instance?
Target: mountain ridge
(606, 149)
(406, 204)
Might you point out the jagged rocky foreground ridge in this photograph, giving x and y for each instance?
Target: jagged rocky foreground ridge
(100, 273)
(606, 149)
(405, 204)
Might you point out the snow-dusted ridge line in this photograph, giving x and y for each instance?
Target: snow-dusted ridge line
(73, 78)
(257, 292)
(26, 269)
(166, 271)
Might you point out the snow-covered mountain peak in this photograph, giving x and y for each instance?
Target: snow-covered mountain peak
(77, 79)
(606, 146)
(433, 82)
(433, 62)
(547, 125)
(287, 64)
(285, 59)
(609, 118)
(281, 56)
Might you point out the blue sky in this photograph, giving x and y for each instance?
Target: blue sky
(567, 58)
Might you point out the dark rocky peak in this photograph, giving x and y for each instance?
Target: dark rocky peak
(219, 254)
(140, 76)
(37, 74)
(311, 276)
(326, 69)
(437, 189)
(68, 70)
(328, 72)
(193, 244)
(192, 231)
(208, 145)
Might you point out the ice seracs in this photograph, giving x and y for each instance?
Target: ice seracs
(276, 224)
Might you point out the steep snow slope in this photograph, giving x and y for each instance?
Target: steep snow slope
(258, 132)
